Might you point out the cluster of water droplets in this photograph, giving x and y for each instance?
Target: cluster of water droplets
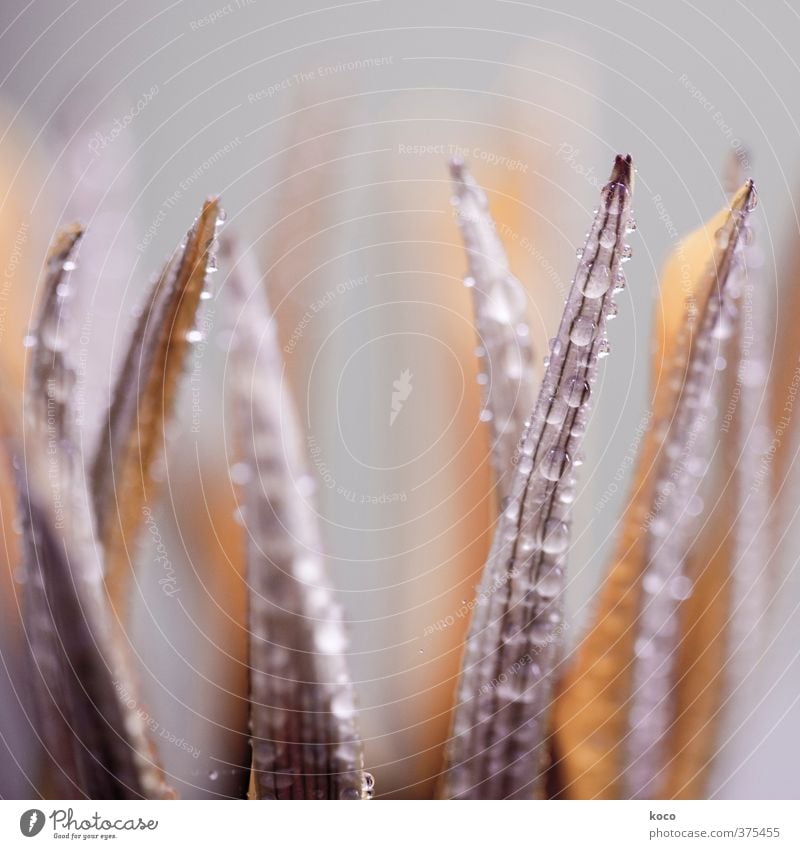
(505, 357)
(672, 523)
(305, 740)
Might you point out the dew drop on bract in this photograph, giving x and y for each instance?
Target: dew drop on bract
(555, 536)
(582, 330)
(554, 464)
(597, 283)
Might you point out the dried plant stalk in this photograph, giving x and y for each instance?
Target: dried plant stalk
(98, 742)
(504, 346)
(143, 397)
(610, 717)
(303, 714)
(500, 720)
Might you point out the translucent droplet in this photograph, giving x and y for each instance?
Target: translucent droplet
(680, 587)
(211, 266)
(597, 283)
(342, 705)
(29, 340)
(549, 582)
(577, 392)
(69, 265)
(579, 253)
(554, 464)
(555, 536)
(482, 378)
(469, 282)
(555, 346)
(330, 638)
(213, 775)
(630, 225)
(557, 412)
(349, 793)
(240, 473)
(723, 329)
(480, 351)
(626, 254)
(526, 465)
(485, 415)
(63, 290)
(582, 331)
(194, 336)
(222, 216)
(619, 282)
(612, 312)
(205, 295)
(603, 349)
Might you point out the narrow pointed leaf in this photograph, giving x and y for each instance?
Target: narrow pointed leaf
(305, 741)
(97, 741)
(610, 718)
(504, 348)
(143, 397)
(500, 721)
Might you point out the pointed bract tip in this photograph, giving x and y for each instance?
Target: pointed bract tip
(622, 172)
(457, 168)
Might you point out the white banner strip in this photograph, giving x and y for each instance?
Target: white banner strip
(412, 825)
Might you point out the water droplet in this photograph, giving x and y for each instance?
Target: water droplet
(557, 411)
(603, 349)
(554, 464)
(240, 473)
(630, 225)
(554, 537)
(720, 364)
(597, 283)
(469, 282)
(222, 216)
(342, 705)
(330, 638)
(680, 587)
(194, 336)
(612, 312)
(582, 331)
(205, 295)
(349, 793)
(567, 495)
(213, 775)
(626, 254)
(577, 392)
(619, 282)
(525, 465)
(69, 265)
(63, 290)
(723, 329)
(579, 253)
(485, 415)
(211, 266)
(480, 351)
(550, 582)
(482, 378)
(29, 340)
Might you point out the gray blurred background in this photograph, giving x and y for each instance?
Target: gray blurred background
(327, 129)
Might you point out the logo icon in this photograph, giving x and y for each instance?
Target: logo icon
(402, 389)
(31, 822)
